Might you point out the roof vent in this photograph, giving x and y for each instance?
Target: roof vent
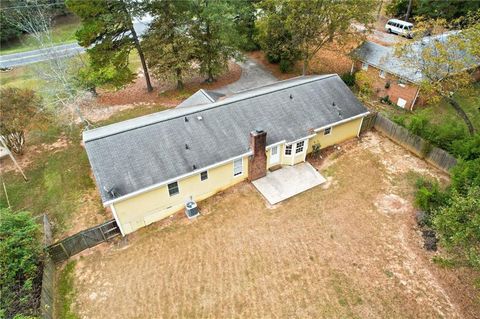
(194, 166)
(186, 119)
(199, 117)
(187, 147)
(291, 97)
(111, 191)
(333, 103)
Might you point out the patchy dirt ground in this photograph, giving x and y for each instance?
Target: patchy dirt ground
(347, 249)
(165, 92)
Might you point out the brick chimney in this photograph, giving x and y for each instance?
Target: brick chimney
(257, 163)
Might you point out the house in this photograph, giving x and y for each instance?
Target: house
(392, 77)
(148, 167)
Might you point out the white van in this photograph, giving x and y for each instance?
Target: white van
(399, 27)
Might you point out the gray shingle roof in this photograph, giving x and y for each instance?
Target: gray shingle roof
(384, 58)
(201, 97)
(148, 150)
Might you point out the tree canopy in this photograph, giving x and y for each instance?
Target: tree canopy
(168, 47)
(20, 256)
(433, 9)
(312, 24)
(215, 35)
(18, 108)
(445, 62)
(108, 34)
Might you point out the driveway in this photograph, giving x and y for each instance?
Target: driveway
(253, 75)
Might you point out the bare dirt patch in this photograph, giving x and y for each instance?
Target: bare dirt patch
(328, 252)
(164, 92)
(30, 153)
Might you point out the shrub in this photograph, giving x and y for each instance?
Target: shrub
(387, 85)
(467, 148)
(465, 175)
(364, 83)
(458, 225)
(429, 197)
(348, 78)
(316, 148)
(386, 100)
(20, 254)
(285, 65)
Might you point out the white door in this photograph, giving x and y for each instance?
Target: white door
(274, 155)
(401, 102)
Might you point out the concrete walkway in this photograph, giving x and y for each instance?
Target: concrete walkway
(253, 75)
(288, 182)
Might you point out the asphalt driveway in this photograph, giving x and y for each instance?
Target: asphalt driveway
(253, 75)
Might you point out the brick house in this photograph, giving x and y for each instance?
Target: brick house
(389, 75)
(392, 78)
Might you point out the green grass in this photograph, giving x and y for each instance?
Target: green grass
(62, 32)
(57, 181)
(442, 112)
(66, 292)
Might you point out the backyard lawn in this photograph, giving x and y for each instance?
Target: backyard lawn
(346, 249)
(63, 32)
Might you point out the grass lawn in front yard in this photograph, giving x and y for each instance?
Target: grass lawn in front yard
(63, 32)
(346, 249)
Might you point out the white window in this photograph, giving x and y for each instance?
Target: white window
(364, 66)
(238, 167)
(382, 74)
(401, 83)
(173, 189)
(204, 176)
(401, 102)
(299, 147)
(327, 131)
(288, 150)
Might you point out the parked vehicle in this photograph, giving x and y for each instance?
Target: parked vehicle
(399, 27)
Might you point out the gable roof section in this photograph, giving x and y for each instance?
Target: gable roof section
(135, 154)
(201, 97)
(384, 58)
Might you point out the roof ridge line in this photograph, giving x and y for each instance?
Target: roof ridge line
(202, 108)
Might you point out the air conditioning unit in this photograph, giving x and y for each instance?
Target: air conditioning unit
(191, 209)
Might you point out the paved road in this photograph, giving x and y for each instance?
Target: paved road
(56, 52)
(253, 75)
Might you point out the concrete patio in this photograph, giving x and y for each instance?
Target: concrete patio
(288, 182)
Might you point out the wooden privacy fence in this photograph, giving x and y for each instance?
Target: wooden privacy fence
(414, 143)
(368, 122)
(48, 276)
(87, 238)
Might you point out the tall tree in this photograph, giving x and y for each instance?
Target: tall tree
(215, 35)
(109, 35)
(274, 37)
(168, 47)
(445, 62)
(17, 109)
(315, 23)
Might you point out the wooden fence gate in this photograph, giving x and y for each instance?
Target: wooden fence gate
(87, 238)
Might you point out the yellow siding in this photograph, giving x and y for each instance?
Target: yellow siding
(149, 207)
(339, 134)
(156, 204)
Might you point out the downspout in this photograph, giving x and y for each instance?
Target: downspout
(415, 99)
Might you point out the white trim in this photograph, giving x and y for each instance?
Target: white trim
(233, 164)
(360, 127)
(331, 129)
(364, 66)
(178, 178)
(415, 99)
(301, 139)
(351, 70)
(114, 212)
(285, 149)
(341, 122)
(382, 74)
(274, 144)
(197, 171)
